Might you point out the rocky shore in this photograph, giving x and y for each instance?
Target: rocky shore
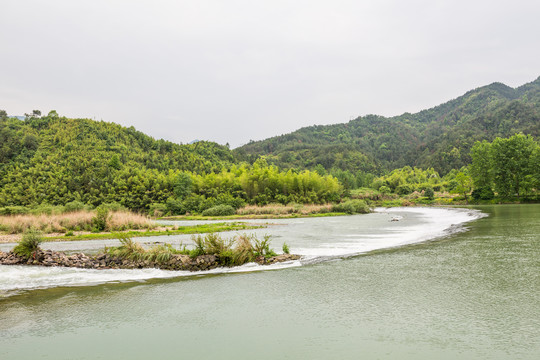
(105, 261)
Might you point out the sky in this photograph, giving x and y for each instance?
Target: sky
(232, 71)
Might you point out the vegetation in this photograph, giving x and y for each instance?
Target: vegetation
(219, 210)
(83, 220)
(52, 161)
(29, 244)
(352, 207)
(236, 251)
(471, 149)
(509, 166)
(438, 138)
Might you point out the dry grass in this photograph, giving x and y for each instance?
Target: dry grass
(75, 221)
(279, 209)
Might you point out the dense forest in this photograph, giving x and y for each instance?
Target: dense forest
(439, 138)
(55, 160)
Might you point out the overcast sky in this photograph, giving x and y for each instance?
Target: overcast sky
(235, 70)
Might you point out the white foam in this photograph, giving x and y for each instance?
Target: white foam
(433, 223)
(20, 277)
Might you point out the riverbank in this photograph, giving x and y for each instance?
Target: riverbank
(176, 262)
(158, 231)
(249, 217)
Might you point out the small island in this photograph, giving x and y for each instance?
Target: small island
(209, 252)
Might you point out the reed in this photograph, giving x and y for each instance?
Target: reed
(73, 221)
(280, 209)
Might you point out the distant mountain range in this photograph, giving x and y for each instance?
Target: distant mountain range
(440, 137)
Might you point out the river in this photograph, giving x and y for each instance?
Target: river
(436, 283)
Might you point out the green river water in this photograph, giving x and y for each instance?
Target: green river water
(469, 295)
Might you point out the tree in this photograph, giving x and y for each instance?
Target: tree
(464, 184)
(511, 163)
(481, 166)
(183, 185)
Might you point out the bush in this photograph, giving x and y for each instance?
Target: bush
(100, 221)
(219, 210)
(14, 210)
(157, 210)
(29, 243)
(175, 207)
(385, 190)
(114, 206)
(352, 207)
(429, 193)
(483, 193)
(285, 248)
(404, 189)
(73, 206)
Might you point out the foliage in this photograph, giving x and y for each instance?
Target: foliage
(55, 160)
(285, 248)
(439, 138)
(429, 193)
(72, 221)
(219, 210)
(29, 244)
(354, 206)
(101, 219)
(510, 166)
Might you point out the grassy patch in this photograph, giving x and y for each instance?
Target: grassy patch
(194, 229)
(234, 251)
(82, 220)
(29, 243)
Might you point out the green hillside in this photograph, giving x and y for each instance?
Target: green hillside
(440, 137)
(56, 160)
(49, 161)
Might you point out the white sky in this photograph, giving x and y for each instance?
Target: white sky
(235, 70)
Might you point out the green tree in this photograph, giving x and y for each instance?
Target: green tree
(511, 163)
(481, 166)
(183, 185)
(464, 184)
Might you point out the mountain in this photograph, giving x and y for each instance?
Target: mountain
(440, 137)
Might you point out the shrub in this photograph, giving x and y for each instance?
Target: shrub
(429, 193)
(262, 247)
(483, 193)
(73, 206)
(114, 206)
(352, 207)
(285, 248)
(29, 243)
(175, 207)
(219, 210)
(101, 219)
(14, 210)
(157, 210)
(404, 189)
(384, 190)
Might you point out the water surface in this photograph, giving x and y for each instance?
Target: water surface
(471, 295)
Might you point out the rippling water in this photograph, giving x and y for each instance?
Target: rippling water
(471, 295)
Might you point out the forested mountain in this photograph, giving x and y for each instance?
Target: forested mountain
(52, 160)
(55, 160)
(440, 137)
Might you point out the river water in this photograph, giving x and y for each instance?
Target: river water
(436, 283)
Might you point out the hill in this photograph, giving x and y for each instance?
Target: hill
(440, 137)
(56, 160)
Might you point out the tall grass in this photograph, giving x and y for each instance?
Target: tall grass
(72, 221)
(239, 250)
(279, 209)
(29, 243)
